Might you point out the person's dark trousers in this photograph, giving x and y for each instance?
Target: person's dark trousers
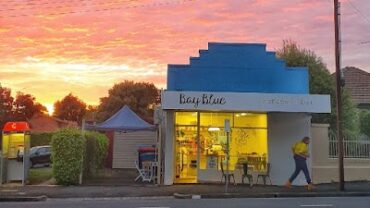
(300, 164)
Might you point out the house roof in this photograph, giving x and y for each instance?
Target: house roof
(357, 82)
(41, 123)
(125, 120)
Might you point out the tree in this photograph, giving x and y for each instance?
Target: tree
(350, 116)
(319, 76)
(6, 105)
(91, 112)
(141, 97)
(365, 122)
(25, 106)
(70, 108)
(321, 82)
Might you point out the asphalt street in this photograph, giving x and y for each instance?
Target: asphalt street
(168, 202)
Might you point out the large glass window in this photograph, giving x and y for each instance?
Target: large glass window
(248, 140)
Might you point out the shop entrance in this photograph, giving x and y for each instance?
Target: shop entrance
(200, 144)
(186, 147)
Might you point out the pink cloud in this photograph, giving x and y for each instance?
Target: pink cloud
(147, 35)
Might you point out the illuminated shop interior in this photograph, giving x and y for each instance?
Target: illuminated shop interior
(204, 148)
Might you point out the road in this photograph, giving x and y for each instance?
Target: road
(332, 202)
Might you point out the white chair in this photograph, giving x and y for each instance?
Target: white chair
(153, 171)
(143, 173)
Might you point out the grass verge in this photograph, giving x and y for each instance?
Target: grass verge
(39, 175)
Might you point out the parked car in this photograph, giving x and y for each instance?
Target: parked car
(40, 155)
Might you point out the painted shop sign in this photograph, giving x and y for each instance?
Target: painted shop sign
(265, 102)
(203, 99)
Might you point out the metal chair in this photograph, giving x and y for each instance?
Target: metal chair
(246, 174)
(265, 175)
(143, 173)
(227, 176)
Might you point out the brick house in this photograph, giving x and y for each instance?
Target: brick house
(357, 82)
(41, 123)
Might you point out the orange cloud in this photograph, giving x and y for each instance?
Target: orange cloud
(51, 48)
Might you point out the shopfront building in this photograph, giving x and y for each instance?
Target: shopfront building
(267, 105)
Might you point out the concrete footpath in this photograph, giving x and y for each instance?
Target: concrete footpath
(39, 193)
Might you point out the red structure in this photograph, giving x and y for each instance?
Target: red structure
(16, 127)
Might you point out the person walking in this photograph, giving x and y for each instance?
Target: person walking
(300, 152)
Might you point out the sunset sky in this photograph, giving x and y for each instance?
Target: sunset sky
(50, 48)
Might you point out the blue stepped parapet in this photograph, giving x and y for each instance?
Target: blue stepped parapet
(237, 67)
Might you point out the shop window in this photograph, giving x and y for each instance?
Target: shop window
(248, 140)
(249, 145)
(254, 120)
(212, 139)
(186, 118)
(215, 119)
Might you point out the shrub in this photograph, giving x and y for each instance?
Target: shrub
(365, 122)
(96, 152)
(41, 139)
(68, 149)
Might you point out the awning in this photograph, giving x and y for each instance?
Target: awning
(124, 120)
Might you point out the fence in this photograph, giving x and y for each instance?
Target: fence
(353, 148)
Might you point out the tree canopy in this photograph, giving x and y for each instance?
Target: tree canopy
(22, 108)
(70, 108)
(365, 122)
(321, 82)
(319, 76)
(6, 105)
(139, 96)
(25, 106)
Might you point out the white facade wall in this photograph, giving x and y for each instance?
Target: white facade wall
(169, 157)
(284, 129)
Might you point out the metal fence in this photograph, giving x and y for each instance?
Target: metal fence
(353, 148)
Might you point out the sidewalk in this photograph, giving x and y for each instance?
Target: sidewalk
(17, 193)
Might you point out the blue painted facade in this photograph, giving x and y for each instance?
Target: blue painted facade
(237, 67)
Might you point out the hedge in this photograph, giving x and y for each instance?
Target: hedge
(41, 139)
(96, 152)
(68, 150)
(365, 122)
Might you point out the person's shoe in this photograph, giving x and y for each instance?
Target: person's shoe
(288, 184)
(310, 187)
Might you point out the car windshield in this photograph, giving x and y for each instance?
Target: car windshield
(33, 150)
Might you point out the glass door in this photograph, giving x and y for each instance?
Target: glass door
(186, 147)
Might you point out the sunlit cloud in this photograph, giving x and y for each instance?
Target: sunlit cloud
(38, 77)
(56, 47)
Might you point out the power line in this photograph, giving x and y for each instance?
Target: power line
(60, 4)
(38, 2)
(358, 11)
(167, 3)
(33, 7)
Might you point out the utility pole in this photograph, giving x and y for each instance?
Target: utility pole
(338, 73)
